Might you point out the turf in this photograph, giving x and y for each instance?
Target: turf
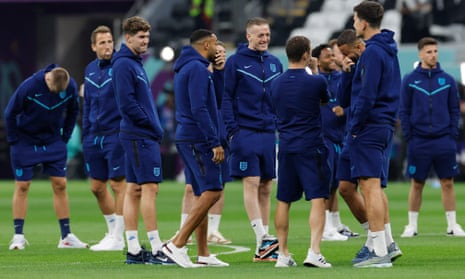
(429, 255)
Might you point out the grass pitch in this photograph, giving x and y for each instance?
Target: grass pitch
(429, 255)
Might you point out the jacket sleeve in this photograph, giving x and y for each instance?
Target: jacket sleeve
(344, 89)
(454, 109)
(370, 64)
(405, 108)
(72, 111)
(124, 80)
(14, 108)
(227, 107)
(86, 110)
(199, 90)
(218, 80)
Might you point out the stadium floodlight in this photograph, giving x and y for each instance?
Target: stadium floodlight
(167, 54)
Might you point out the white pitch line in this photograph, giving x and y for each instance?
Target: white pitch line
(236, 249)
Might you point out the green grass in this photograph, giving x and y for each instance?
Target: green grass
(429, 255)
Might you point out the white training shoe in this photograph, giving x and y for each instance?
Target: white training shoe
(71, 241)
(410, 231)
(18, 242)
(316, 260)
(284, 261)
(333, 235)
(177, 255)
(217, 238)
(211, 260)
(109, 243)
(345, 230)
(456, 231)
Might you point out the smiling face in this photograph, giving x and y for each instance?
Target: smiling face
(327, 60)
(103, 46)
(258, 36)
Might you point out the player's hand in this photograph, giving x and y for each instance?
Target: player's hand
(347, 62)
(313, 65)
(338, 111)
(218, 154)
(220, 60)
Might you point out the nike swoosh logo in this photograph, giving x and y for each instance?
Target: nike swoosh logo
(417, 81)
(38, 95)
(116, 168)
(91, 74)
(246, 67)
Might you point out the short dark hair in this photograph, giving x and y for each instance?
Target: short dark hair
(347, 37)
(296, 47)
(200, 34)
(370, 11)
(316, 52)
(425, 42)
(135, 24)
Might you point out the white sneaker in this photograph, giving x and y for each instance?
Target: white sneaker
(217, 238)
(18, 242)
(177, 255)
(71, 241)
(410, 231)
(109, 243)
(284, 261)
(316, 260)
(345, 230)
(456, 231)
(333, 235)
(211, 260)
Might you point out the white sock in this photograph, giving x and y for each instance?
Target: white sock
(365, 227)
(133, 242)
(267, 229)
(183, 219)
(388, 233)
(379, 243)
(413, 219)
(369, 242)
(110, 220)
(155, 241)
(328, 221)
(451, 219)
(119, 227)
(257, 226)
(213, 223)
(336, 219)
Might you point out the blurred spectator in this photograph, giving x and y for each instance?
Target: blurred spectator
(202, 12)
(166, 110)
(416, 19)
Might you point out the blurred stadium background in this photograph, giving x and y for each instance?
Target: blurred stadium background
(38, 32)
